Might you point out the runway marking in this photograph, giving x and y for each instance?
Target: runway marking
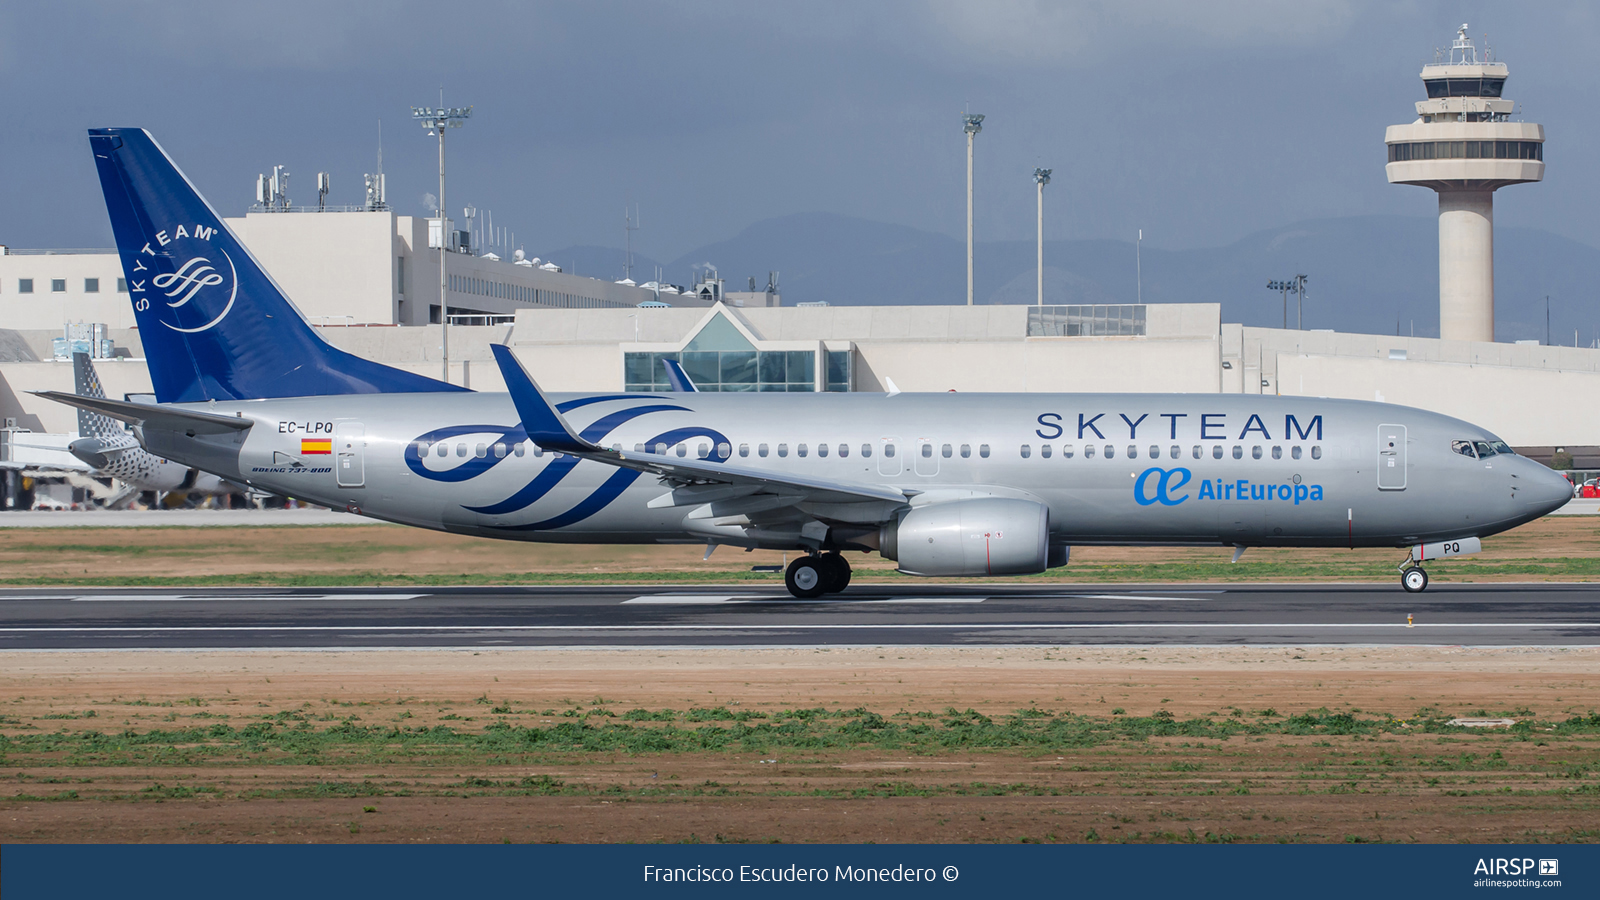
(170, 598)
(748, 599)
(690, 599)
(1139, 596)
(766, 626)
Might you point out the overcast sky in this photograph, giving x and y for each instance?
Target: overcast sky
(1199, 122)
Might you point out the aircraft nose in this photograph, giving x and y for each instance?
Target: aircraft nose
(1547, 489)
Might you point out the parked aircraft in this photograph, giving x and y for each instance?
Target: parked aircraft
(944, 484)
(109, 449)
(105, 448)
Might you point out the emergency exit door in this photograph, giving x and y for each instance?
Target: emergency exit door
(350, 443)
(1391, 457)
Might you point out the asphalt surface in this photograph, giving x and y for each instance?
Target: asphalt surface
(871, 615)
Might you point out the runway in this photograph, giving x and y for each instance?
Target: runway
(865, 615)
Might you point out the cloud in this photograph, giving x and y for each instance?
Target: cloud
(1088, 32)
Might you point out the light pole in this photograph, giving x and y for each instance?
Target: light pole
(971, 123)
(1042, 177)
(1283, 287)
(436, 121)
(1299, 302)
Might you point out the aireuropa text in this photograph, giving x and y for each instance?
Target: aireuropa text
(792, 873)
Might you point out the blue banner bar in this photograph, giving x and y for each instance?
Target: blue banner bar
(56, 872)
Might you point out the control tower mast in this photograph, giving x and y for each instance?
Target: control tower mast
(1465, 146)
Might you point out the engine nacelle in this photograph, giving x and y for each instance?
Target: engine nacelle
(989, 536)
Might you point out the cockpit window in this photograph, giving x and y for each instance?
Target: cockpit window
(1484, 450)
(1463, 447)
(1502, 448)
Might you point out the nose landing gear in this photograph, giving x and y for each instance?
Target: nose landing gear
(812, 576)
(1414, 579)
(1412, 576)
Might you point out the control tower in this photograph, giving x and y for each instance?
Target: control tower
(1465, 146)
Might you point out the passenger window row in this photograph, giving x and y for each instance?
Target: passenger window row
(1218, 451)
(442, 449)
(1475, 449)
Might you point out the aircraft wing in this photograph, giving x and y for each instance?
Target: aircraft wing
(165, 418)
(701, 472)
(550, 430)
(43, 468)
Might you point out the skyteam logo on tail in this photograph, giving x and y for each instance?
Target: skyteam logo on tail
(201, 287)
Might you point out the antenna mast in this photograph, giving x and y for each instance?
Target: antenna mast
(630, 224)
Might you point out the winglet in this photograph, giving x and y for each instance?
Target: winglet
(678, 378)
(544, 425)
(893, 388)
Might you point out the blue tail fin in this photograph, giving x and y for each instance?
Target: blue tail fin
(214, 325)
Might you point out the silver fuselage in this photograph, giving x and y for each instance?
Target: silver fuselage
(1165, 468)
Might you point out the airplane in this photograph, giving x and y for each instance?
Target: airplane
(105, 448)
(110, 450)
(945, 485)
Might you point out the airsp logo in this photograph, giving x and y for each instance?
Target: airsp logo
(201, 289)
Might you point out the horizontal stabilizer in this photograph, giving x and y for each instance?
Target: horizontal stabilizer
(165, 418)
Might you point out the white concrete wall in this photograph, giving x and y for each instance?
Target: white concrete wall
(1525, 407)
(328, 264)
(47, 310)
(1041, 364)
(39, 414)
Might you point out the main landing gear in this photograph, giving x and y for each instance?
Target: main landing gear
(817, 574)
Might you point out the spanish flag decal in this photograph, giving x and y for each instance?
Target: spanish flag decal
(316, 447)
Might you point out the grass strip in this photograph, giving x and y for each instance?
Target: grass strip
(1549, 568)
(292, 739)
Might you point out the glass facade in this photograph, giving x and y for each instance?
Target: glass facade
(720, 358)
(1466, 150)
(1085, 321)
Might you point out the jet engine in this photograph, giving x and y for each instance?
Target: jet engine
(989, 536)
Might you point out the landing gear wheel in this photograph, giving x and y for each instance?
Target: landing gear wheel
(807, 577)
(838, 572)
(1414, 580)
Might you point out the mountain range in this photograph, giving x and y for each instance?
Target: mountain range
(1366, 274)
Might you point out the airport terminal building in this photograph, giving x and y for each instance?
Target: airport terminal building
(1522, 392)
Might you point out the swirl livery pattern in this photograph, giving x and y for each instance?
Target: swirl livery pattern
(554, 472)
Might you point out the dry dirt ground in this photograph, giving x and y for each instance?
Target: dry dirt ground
(1324, 745)
(1563, 548)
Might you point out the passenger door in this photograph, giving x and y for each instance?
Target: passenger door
(350, 443)
(1391, 457)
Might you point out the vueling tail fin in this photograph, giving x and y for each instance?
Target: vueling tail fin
(213, 324)
(86, 382)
